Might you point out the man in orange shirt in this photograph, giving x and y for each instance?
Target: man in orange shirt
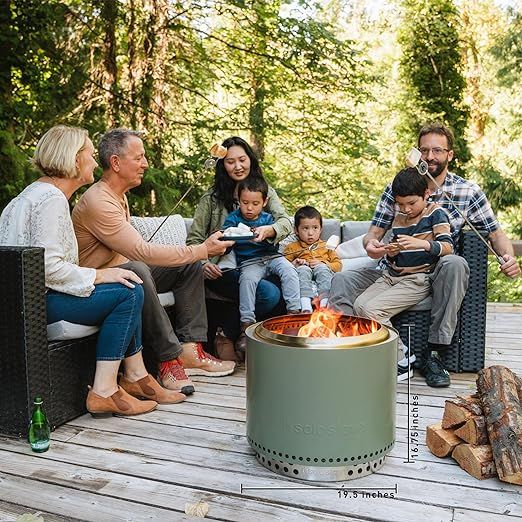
(106, 238)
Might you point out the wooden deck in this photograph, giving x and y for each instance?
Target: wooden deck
(148, 468)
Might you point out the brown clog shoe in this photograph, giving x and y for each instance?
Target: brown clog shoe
(120, 403)
(148, 388)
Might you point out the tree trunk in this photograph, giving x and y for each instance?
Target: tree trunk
(110, 17)
(499, 389)
(8, 39)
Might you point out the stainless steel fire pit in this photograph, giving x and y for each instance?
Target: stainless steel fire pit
(321, 408)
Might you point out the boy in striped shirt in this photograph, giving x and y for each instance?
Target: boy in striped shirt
(421, 235)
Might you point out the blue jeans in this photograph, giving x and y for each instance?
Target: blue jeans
(112, 306)
(249, 278)
(268, 298)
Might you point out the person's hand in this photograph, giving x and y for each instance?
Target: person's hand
(412, 243)
(211, 271)
(393, 248)
(510, 267)
(264, 232)
(375, 249)
(299, 261)
(314, 262)
(116, 275)
(216, 247)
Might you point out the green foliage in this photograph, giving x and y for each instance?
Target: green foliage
(508, 50)
(502, 288)
(330, 93)
(15, 171)
(431, 70)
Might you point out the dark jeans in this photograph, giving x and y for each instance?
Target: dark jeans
(225, 314)
(186, 282)
(112, 306)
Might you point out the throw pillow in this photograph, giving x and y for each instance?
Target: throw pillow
(173, 231)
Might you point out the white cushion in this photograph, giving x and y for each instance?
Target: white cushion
(173, 232)
(352, 248)
(166, 299)
(62, 331)
(358, 262)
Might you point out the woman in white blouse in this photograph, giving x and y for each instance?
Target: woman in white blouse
(111, 298)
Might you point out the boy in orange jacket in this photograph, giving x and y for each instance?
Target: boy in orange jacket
(313, 261)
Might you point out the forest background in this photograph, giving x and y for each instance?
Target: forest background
(331, 93)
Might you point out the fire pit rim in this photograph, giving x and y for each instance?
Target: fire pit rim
(294, 341)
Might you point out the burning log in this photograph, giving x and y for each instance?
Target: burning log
(499, 390)
(459, 410)
(476, 460)
(441, 442)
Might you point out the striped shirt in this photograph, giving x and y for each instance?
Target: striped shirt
(466, 195)
(432, 225)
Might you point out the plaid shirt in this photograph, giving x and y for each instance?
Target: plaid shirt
(466, 195)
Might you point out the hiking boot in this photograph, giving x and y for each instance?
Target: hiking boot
(224, 348)
(198, 362)
(433, 370)
(173, 377)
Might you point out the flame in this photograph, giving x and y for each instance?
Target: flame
(324, 322)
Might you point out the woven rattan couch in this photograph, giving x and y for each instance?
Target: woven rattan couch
(60, 371)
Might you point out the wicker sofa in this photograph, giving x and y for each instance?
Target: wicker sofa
(60, 371)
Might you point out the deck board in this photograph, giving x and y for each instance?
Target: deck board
(149, 467)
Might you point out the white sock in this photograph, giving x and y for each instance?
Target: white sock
(306, 304)
(324, 302)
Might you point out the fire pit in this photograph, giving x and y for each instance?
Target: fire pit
(321, 408)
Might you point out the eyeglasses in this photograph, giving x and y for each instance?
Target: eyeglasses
(437, 151)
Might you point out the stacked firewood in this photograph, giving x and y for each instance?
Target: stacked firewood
(483, 432)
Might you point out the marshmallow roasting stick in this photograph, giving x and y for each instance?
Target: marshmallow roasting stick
(413, 159)
(331, 244)
(216, 152)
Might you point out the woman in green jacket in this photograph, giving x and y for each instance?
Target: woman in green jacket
(214, 206)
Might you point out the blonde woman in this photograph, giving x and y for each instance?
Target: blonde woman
(111, 298)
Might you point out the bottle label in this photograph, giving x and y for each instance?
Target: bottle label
(40, 444)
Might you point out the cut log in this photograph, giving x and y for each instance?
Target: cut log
(441, 442)
(459, 410)
(474, 431)
(476, 460)
(498, 390)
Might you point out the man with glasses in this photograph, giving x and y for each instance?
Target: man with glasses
(450, 277)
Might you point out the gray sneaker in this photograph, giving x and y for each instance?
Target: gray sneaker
(433, 370)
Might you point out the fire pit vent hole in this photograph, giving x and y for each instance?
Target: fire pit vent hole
(300, 459)
(285, 468)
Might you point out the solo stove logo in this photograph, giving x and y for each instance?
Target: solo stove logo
(325, 429)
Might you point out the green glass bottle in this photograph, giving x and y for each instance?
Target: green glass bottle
(39, 430)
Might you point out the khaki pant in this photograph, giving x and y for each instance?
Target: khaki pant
(391, 295)
(449, 282)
